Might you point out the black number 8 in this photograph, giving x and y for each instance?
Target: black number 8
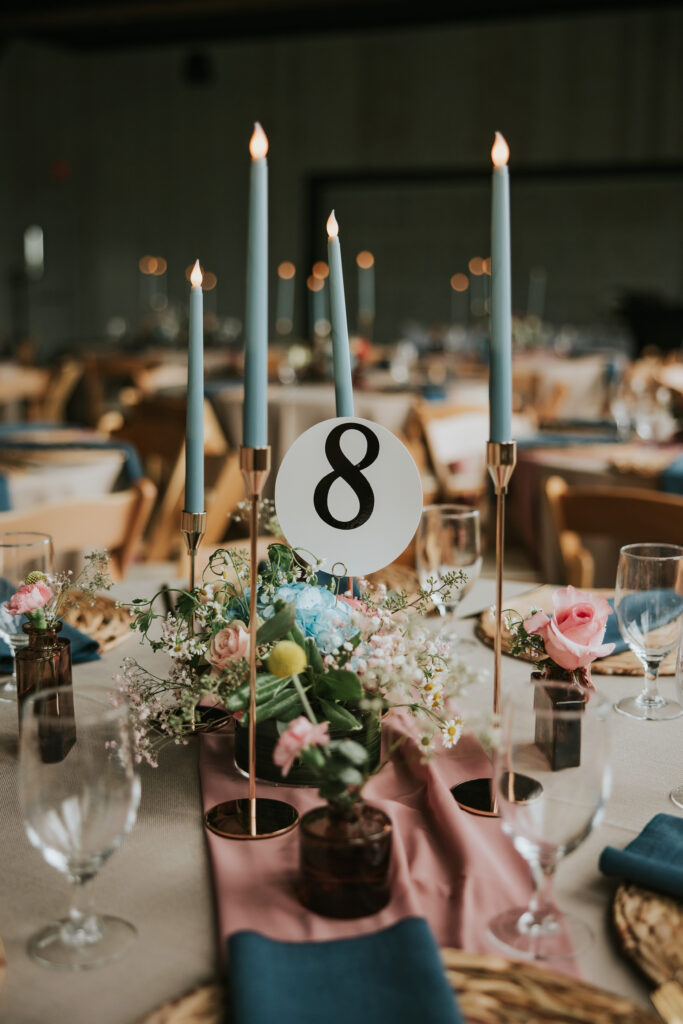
(350, 472)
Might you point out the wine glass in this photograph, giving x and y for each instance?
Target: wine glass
(648, 600)
(20, 553)
(550, 781)
(80, 795)
(449, 538)
(676, 795)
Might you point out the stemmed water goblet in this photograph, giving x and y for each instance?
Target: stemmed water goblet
(448, 539)
(20, 553)
(546, 809)
(648, 600)
(80, 795)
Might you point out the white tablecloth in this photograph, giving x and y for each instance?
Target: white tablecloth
(160, 878)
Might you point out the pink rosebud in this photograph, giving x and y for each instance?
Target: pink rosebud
(230, 644)
(300, 734)
(573, 636)
(28, 598)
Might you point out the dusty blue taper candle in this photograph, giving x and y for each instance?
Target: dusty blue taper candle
(500, 363)
(255, 417)
(194, 428)
(341, 354)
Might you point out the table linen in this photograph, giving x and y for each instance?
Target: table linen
(653, 859)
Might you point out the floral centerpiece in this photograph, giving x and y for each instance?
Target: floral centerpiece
(347, 659)
(566, 643)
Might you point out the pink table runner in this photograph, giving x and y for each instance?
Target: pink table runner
(452, 868)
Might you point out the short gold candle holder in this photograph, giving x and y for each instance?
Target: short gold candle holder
(193, 528)
(476, 795)
(255, 817)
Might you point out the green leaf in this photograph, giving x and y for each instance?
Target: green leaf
(275, 628)
(185, 606)
(350, 750)
(339, 684)
(282, 706)
(314, 656)
(338, 716)
(345, 773)
(297, 636)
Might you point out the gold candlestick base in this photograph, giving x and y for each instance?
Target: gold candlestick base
(475, 795)
(193, 528)
(255, 817)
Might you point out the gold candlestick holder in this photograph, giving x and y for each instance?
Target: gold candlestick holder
(193, 528)
(254, 817)
(476, 795)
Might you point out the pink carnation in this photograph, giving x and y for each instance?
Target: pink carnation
(230, 644)
(28, 598)
(573, 636)
(300, 734)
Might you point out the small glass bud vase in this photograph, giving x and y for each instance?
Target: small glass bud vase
(559, 739)
(345, 860)
(44, 664)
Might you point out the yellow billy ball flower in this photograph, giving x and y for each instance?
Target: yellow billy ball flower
(36, 576)
(286, 659)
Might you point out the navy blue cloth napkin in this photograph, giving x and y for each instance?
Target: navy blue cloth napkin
(671, 480)
(394, 975)
(654, 858)
(664, 606)
(83, 648)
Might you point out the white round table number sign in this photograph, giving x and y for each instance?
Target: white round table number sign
(349, 493)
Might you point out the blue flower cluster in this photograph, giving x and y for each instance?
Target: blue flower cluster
(318, 614)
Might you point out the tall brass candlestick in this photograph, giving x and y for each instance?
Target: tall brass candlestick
(476, 795)
(255, 817)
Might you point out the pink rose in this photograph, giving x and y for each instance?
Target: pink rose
(28, 598)
(353, 602)
(300, 734)
(573, 636)
(230, 644)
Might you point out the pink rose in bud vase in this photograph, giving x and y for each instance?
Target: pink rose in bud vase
(29, 598)
(573, 635)
(300, 734)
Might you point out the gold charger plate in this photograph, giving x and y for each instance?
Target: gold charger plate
(649, 927)
(625, 664)
(489, 989)
(102, 620)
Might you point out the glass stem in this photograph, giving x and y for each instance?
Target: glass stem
(81, 926)
(543, 886)
(650, 694)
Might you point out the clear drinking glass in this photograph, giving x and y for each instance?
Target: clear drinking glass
(448, 538)
(19, 554)
(676, 794)
(80, 795)
(548, 811)
(648, 600)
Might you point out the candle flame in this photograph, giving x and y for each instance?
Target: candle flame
(258, 145)
(500, 151)
(286, 270)
(320, 270)
(460, 282)
(196, 275)
(332, 226)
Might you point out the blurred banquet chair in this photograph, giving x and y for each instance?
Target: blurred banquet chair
(626, 515)
(156, 427)
(455, 437)
(59, 387)
(112, 521)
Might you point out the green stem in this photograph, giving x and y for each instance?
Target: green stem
(303, 698)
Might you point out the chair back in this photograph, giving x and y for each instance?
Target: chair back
(112, 521)
(628, 515)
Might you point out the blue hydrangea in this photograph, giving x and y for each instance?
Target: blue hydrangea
(318, 614)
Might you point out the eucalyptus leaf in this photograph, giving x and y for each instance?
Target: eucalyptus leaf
(274, 629)
(338, 716)
(339, 684)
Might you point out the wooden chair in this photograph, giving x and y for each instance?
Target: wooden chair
(628, 515)
(156, 427)
(113, 521)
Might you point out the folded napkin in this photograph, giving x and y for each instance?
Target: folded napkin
(83, 648)
(671, 480)
(654, 859)
(664, 606)
(393, 975)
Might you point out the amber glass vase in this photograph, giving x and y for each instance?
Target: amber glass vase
(345, 860)
(44, 664)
